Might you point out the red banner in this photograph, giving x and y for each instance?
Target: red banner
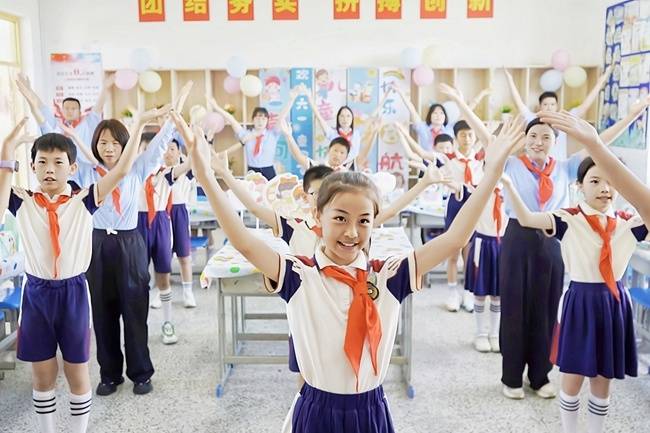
(240, 10)
(346, 9)
(151, 10)
(285, 10)
(480, 8)
(196, 10)
(388, 9)
(433, 9)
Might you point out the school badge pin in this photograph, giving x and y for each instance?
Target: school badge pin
(373, 291)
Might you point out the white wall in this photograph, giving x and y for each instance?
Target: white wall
(523, 32)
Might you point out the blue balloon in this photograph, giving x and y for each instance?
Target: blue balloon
(411, 57)
(236, 67)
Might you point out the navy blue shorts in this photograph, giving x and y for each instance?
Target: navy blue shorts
(181, 244)
(158, 239)
(267, 172)
(54, 313)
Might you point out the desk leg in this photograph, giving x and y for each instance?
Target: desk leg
(407, 344)
(223, 369)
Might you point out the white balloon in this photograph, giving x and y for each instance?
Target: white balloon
(250, 85)
(551, 80)
(150, 81)
(236, 67)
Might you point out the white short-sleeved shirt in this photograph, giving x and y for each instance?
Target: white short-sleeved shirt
(183, 189)
(317, 312)
(426, 134)
(486, 224)
(581, 245)
(457, 168)
(349, 165)
(162, 184)
(301, 236)
(75, 231)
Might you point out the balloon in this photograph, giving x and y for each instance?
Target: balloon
(550, 80)
(430, 56)
(213, 122)
(150, 81)
(236, 67)
(411, 57)
(231, 85)
(560, 60)
(140, 59)
(422, 76)
(575, 76)
(126, 79)
(197, 114)
(452, 110)
(250, 85)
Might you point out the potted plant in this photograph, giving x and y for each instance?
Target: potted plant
(506, 112)
(127, 116)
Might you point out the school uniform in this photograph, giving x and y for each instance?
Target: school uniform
(354, 138)
(118, 274)
(531, 271)
(55, 306)
(342, 388)
(482, 267)
(467, 171)
(260, 150)
(154, 223)
(595, 336)
(182, 190)
(349, 165)
(427, 133)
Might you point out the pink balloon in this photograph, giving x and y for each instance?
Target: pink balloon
(560, 60)
(422, 76)
(213, 122)
(231, 85)
(126, 79)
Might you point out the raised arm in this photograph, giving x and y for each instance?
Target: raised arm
(230, 119)
(81, 146)
(409, 105)
(254, 249)
(101, 100)
(319, 117)
(613, 132)
(407, 143)
(34, 102)
(367, 142)
(472, 119)
(630, 187)
(432, 176)
(516, 97)
(527, 218)
(182, 168)
(377, 111)
(581, 110)
(293, 94)
(219, 163)
(297, 154)
(477, 100)
(460, 231)
(8, 153)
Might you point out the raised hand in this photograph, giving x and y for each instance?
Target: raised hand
(509, 140)
(182, 96)
(150, 115)
(285, 127)
(640, 105)
(433, 175)
(17, 136)
(219, 163)
(450, 91)
(574, 126)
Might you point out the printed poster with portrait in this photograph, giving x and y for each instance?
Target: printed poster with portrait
(275, 93)
(76, 75)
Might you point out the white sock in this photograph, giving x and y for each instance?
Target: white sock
(598, 408)
(569, 405)
(481, 317)
(166, 300)
(453, 287)
(187, 286)
(45, 406)
(495, 317)
(80, 411)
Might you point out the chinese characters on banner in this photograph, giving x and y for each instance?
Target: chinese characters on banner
(240, 10)
(196, 10)
(433, 9)
(302, 117)
(285, 10)
(76, 75)
(388, 9)
(151, 10)
(346, 9)
(480, 8)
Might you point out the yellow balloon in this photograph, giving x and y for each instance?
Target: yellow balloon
(575, 76)
(250, 85)
(431, 56)
(150, 81)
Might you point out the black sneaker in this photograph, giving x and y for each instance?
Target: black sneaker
(142, 388)
(108, 388)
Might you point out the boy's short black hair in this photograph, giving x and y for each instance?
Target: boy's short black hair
(442, 138)
(342, 141)
(548, 95)
(54, 141)
(146, 137)
(536, 122)
(260, 110)
(316, 172)
(461, 125)
(71, 99)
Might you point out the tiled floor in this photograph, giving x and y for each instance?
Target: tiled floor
(457, 389)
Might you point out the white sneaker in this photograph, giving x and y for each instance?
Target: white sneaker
(468, 301)
(481, 344)
(188, 299)
(513, 393)
(154, 300)
(494, 343)
(453, 302)
(547, 391)
(168, 334)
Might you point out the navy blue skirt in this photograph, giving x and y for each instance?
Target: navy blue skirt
(318, 411)
(483, 280)
(596, 332)
(454, 205)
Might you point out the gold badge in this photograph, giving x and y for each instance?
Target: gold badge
(373, 291)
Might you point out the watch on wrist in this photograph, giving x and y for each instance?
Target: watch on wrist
(10, 164)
